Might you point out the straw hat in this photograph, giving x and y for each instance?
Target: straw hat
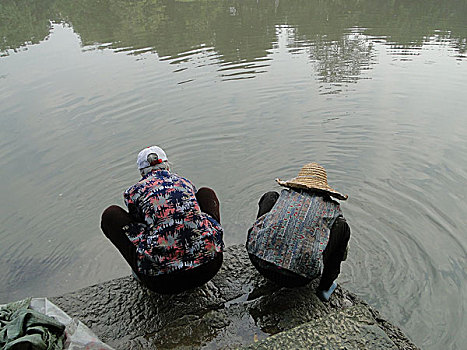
(312, 176)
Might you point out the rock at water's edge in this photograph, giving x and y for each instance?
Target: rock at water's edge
(237, 308)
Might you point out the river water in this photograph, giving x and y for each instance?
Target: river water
(239, 93)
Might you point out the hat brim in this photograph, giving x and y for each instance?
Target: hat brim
(328, 190)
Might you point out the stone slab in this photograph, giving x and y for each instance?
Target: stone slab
(351, 328)
(238, 307)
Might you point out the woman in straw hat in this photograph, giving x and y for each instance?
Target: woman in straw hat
(171, 235)
(300, 234)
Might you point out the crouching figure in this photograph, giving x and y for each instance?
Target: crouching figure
(171, 235)
(300, 234)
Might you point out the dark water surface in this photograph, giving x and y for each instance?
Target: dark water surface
(239, 93)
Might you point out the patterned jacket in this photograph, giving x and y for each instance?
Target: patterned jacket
(170, 232)
(294, 234)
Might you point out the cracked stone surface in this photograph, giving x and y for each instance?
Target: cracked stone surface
(236, 308)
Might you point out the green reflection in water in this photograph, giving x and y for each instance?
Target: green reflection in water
(238, 30)
(338, 35)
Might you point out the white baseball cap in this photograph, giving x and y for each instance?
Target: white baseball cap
(143, 162)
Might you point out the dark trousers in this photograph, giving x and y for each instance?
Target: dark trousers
(333, 255)
(114, 218)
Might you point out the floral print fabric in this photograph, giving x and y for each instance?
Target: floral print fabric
(170, 232)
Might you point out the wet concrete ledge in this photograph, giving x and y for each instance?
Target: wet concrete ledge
(237, 309)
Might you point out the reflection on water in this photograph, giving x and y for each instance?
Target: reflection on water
(340, 34)
(239, 93)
